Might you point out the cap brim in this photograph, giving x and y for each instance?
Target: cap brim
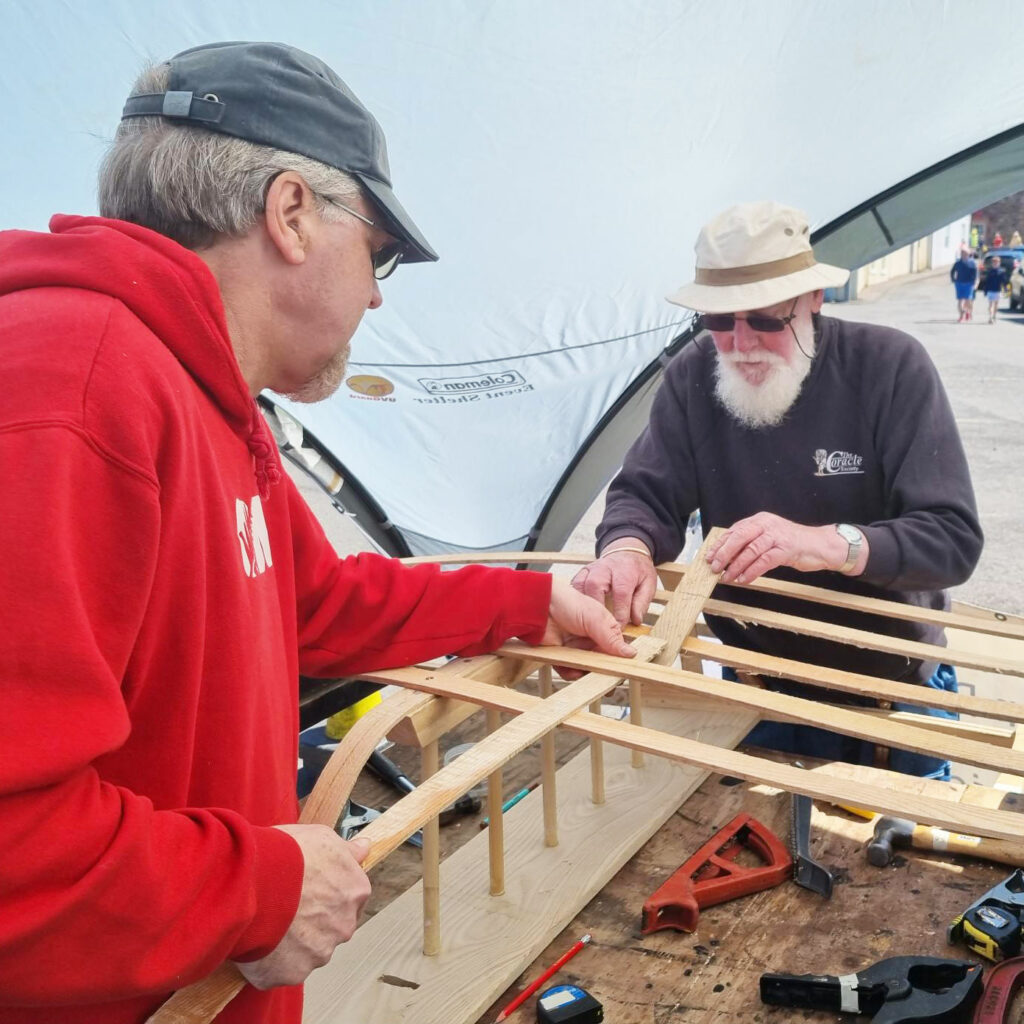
(400, 224)
(737, 298)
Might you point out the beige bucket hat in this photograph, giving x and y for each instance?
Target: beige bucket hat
(755, 255)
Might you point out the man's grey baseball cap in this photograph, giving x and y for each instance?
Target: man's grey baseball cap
(279, 96)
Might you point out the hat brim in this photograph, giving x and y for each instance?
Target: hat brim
(400, 224)
(737, 298)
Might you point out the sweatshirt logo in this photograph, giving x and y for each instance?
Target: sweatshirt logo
(836, 463)
(253, 537)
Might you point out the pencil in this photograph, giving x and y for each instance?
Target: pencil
(534, 985)
(511, 802)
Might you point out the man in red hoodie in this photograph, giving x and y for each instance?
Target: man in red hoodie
(164, 584)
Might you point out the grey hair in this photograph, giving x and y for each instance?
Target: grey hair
(195, 185)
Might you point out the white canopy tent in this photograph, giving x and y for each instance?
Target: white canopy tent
(561, 157)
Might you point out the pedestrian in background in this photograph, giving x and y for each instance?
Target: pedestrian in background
(993, 284)
(964, 275)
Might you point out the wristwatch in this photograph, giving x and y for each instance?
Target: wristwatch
(854, 538)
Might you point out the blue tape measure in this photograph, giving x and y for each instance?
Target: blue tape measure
(567, 1003)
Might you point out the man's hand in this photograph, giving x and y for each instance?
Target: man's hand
(628, 576)
(752, 546)
(334, 889)
(577, 621)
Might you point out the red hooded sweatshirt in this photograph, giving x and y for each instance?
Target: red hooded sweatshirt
(163, 585)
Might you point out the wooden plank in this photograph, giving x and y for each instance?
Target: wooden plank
(782, 707)
(861, 637)
(855, 682)
(380, 975)
(979, 821)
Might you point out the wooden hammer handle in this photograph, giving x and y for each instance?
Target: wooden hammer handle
(1004, 851)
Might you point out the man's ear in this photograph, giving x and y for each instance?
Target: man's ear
(817, 298)
(290, 217)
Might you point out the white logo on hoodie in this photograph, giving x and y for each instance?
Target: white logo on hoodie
(253, 537)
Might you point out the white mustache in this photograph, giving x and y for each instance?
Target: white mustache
(763, 356)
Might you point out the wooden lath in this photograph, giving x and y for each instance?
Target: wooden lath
(435, 700)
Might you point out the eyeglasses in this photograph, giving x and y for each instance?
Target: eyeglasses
(726, 322)
(386, 259)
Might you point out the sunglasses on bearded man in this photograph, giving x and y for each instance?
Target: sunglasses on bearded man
(759, 322)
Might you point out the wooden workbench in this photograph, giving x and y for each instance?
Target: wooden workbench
(711, 976)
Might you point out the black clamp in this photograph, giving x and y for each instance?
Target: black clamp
(898, 990)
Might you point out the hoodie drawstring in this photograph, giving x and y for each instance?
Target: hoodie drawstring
(261, 447)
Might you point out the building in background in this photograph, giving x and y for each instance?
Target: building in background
(934, 251)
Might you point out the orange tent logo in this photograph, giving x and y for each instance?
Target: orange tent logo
(365, 384)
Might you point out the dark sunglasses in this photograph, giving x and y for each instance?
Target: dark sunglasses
(386, 259)
(726, 322)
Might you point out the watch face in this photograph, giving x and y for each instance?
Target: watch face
(849, 533)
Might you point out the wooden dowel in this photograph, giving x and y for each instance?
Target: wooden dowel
(496, 826)
(547, 766)
(636, 716)
(431, 863)
(596, 763)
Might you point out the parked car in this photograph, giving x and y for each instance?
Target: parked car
(1011, 259)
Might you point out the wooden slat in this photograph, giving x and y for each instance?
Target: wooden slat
(437, 717)
(854, 682)
(861, 637)
(961, 616)
(790, 709)
(688, 600)
(891, 800)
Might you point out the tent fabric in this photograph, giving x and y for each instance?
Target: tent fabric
(561, 157)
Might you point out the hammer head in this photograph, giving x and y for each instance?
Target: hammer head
(890, 834)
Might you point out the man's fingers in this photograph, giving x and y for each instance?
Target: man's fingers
(642, 599)
(623, 589)
(758, 547)
(359, 848)
(606, 633)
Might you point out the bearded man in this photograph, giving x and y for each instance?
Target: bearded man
(827, 448)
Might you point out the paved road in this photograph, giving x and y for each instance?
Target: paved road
(982, 366)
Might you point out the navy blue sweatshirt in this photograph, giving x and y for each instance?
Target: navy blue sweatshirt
(870, 440)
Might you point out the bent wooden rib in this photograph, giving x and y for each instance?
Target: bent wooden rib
(201, 1002)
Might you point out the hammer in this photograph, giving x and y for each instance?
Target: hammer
(899, 833)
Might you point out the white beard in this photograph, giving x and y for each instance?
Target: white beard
(764, 404)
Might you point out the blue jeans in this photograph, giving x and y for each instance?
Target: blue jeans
(833, 746)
